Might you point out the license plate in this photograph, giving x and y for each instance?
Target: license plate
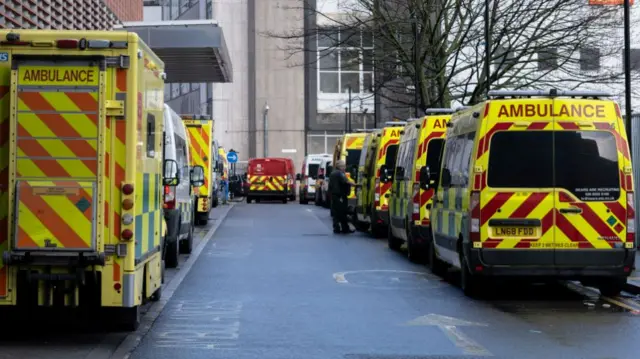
(514, 231)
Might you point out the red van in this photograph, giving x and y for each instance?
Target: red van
(291, 180)
(269, 178)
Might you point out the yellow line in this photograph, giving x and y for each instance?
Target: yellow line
(619, 301)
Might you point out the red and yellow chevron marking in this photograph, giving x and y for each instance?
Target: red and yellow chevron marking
(267, 183)
(389, 136)
(55, 215)
(432, 127)
(4, 183)
(354, 142)
(200, 148)
(53, 142)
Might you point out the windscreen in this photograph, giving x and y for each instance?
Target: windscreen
(584, 162)
(390, 159)
(353, 157)
(271, 167)
(313, 170)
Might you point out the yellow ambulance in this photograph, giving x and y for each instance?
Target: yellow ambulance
(81, 123)
(410, 201)
(348, 149)
(378, 155)
(536, 184)
(202, 152)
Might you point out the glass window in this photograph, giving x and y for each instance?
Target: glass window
(434, 158)
(329, 82)
(367, 82)
(390, 158)
(586, 164)
(350, 79)
(151, 135)
(590, 59)
(353, 157)
(350, 38)
(367, 39)
(367, 60)
(184, 89)
(313, 170)
(548, 59)
(328, 60)
(521, 159)
(349, 60)
(327, 37)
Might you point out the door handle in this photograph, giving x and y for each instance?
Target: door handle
(571, 210)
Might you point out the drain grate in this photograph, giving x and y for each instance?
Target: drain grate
(375, 356)
(315, 235)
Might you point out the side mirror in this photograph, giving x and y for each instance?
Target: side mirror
(384, 174)
(298, 177)
(446, 178)
(425, 177)
(171, 176)
(197, 176)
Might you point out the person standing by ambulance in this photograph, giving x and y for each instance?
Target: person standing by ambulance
(339, 188)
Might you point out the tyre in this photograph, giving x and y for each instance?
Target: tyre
(249, 199)
(611, 287)
(318, 199)
(157, 295)
(470, 283)
(393, 242)
(415, 252)
(130, 318)
(186, 245)
(171, 255)
(436, 266)
(215, 201)
(284, 200)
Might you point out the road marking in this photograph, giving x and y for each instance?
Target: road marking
(394, 281)
(624, 303)
(131, 342)
(449, 326)
(194, 324)
(339, 277)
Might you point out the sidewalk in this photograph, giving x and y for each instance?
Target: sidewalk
(633, 282)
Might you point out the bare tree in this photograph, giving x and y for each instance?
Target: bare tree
(533, 43)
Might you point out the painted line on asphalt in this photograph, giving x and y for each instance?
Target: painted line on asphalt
(134, 339)
(621, 302)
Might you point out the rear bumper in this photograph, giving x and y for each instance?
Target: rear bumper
(59, 259)
(558, 264)
(269, 193)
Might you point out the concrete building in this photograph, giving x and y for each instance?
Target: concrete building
(67, 14)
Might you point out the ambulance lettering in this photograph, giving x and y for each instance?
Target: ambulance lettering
(57, 75)
(440, 123)
(547, 109)
(395, 133)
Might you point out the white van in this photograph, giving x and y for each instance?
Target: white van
(308, 176)
(178, 204)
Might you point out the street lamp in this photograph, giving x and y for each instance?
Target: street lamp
(487, 44)
(264, 125)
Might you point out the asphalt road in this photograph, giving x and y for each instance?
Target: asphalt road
(275, 283)
(45, 337)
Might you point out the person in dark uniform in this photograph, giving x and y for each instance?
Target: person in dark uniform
(339, 188)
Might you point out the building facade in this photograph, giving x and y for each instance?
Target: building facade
(126, 10)
(65, 14)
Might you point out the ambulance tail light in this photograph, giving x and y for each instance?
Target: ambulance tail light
(415, 215)
(67, 44)
(376, 195)
(631, 214)
(474, 226)
(169, 198)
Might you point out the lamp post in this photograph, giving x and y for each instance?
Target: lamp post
(417, 66)
(264, 125)
(349, 117)
(346, 119)
(487, 46)
(627, 71)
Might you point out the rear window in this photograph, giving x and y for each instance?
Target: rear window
(268, 168)
(390, 159)
(353, 157)
(584, 162)
(313, 170)
(434, 153)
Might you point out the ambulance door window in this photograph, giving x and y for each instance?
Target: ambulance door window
(151, 135)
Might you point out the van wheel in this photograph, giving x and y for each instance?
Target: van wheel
(393, 242)
(171, 255)
(318, 199)
(130, 318)
(436, 266)
(611, 287)
(284, 200)
(157, 295)
(469, 283)
(162, 268)
(186, 245)
(303, 200)
(415, 252)
(249, 199)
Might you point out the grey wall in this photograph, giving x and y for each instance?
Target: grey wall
(279, 80)
(230, 105)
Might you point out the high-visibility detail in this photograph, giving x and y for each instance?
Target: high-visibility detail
(55, 215)
(267, 183)
(57, 135)
(483, 146)
(200, 147)
(423, 145)
(145, 221)
(43, 75)
(4, 185)
(354, 143)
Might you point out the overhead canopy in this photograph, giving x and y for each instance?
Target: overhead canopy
(192, 51)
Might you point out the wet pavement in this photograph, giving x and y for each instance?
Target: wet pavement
(275, 283)
(46, 338)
